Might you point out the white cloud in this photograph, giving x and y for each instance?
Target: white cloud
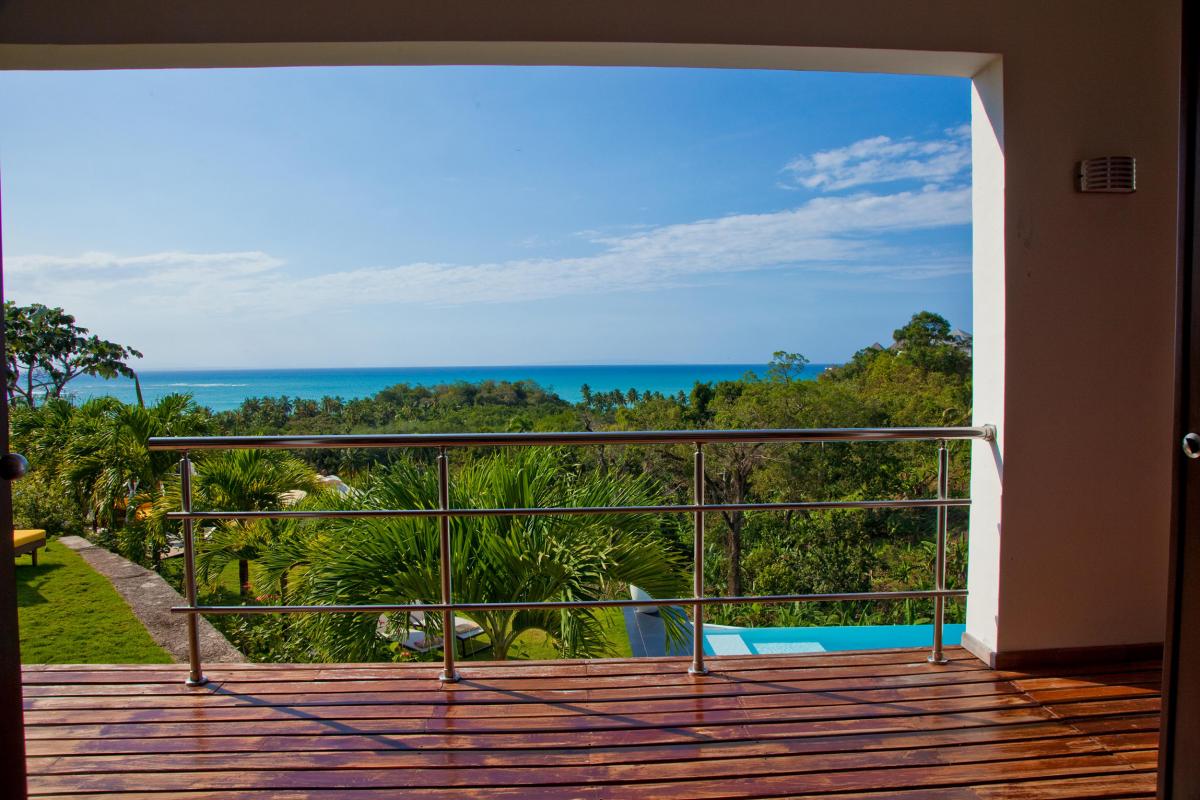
(110, 264)
(846, 234)
(881, 159)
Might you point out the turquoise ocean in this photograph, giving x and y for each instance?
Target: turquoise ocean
(222, 390)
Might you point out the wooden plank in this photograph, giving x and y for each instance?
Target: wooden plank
(1115, 691)
(1117, 786)
(1143, 722)
(495, 676)
(309, 722)
(867, 725)
(1084, 679)
(1106, 787)
(1090, 709)
(612, 753)
(114, 710)
(387, 776)
(608, 784)
(755, 693)
(295, 692)
(332, 737)
(381, 691)
(472, 691)
(942, 748)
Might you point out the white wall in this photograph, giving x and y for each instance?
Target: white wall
(1088, 331)
(1074, 293)
(988, 313)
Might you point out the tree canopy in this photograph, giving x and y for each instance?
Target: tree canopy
(46, 350)
(91, 461)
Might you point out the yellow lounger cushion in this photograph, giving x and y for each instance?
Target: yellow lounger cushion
(28, 536)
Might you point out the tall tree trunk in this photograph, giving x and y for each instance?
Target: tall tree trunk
(734, 489)
(733, 547)
(244, 577)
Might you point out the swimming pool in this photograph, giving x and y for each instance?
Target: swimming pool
(725, 640)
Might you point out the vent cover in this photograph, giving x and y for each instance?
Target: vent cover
(1108, 174)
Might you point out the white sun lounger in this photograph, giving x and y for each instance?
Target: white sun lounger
(413, 637)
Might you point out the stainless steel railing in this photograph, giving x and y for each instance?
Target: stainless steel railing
(697, 508)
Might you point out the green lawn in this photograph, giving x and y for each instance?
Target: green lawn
(69, 614)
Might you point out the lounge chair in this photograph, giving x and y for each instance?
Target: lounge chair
(28, 540)
(412, 636)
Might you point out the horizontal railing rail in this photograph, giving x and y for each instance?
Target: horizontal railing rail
(444, 513)
(691, 508)
(539, 438)
(915, 594)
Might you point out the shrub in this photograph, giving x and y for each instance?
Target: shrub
(39, 502)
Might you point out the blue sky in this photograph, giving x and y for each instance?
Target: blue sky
(486, 215)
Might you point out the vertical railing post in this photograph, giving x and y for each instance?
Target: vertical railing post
(697, 667)
(449, 634)
(939, 578)
(195, 674)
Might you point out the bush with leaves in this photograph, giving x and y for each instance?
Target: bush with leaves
(500, 558)
(39, 501)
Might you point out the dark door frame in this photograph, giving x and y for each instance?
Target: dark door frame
(1179, 768)
(12, 721)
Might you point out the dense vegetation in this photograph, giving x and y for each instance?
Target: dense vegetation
(92, 473)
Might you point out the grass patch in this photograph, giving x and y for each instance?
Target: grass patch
(536, 646)
(70, 614)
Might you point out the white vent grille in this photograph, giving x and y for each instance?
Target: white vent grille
(1108, 174)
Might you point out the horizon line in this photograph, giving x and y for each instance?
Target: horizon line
(468, 366)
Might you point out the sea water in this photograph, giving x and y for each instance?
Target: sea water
(222, 390)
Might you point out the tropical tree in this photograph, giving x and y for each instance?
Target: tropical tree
(46, 350)
(44, 433)
(503, 558)
(240, 480)
(116, 474)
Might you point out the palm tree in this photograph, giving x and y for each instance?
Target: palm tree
(43, 432)
(508, 558)
(115, 471)
(242, 480)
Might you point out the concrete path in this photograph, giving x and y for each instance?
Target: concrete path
(151, 599)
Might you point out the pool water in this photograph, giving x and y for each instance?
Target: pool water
(724, 640)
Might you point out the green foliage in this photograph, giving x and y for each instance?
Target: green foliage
(236, 480)
(40, 502)
(90, 464)
(786, 366)
(514, 558)
(925, 342)
(95, 457)
(923, 380)
(46, 350)
(447, 408)
(69, 614)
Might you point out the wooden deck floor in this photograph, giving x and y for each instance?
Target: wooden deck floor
(860, 725)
